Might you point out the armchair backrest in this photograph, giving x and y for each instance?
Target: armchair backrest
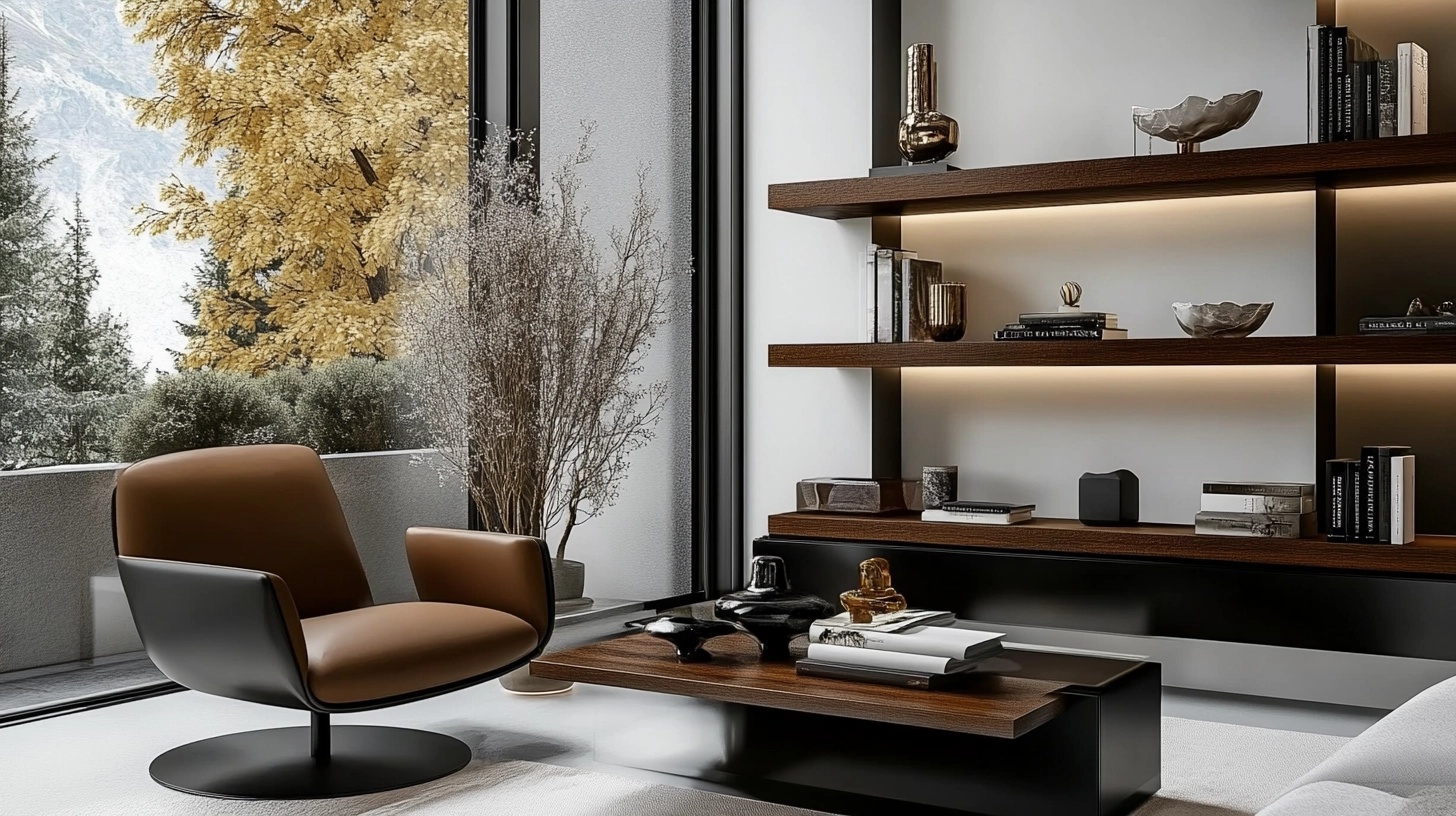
(260, 507)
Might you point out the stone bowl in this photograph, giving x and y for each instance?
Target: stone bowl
(1204, 320)
(1197, 119)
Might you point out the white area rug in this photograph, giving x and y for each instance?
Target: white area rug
(96, 762)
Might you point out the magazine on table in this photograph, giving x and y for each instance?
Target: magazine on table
(938, 641)
(892, 621)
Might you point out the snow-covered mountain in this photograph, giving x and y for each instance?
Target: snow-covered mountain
(75, 65)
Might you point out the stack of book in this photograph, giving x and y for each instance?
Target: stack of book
(1354, 94)
(1372, 499)
(1409, 324)
(897, 295)
(911, 649)
(1073, 325)
(1257, 510)
(974, 512)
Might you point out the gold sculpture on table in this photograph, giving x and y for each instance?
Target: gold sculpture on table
(875, 595)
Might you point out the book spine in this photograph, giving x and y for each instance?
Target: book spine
(1069, 322)
(1403, 500)
(1258, 489)
(1339, 87)
(1388, 91)
(869, 284)
(884, 295)
(1356, 512)
(956, 507)
(897, 305)
(1417, 323)
(1357, 100)
(1368, 98)
(1256, 525)
(1051, 334)
(1413, 77)
(1334, 500)
(1228, 503)
(1370, 483)
(1315, 79)
(875, 659)
(972, 518)
(1327, 84)
(1382, 496)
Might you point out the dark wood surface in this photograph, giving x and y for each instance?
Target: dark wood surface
(1340, 350)
(994, 706)
(1428, 556)
(1283, 168)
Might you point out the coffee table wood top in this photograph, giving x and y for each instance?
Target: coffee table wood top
(991, 705)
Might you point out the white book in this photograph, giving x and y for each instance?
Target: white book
(867, 298)
(1402, 499)
(877, 659)
(957, 517)
(1413, 68)
(1233, 503)
(935, 641)
(1314, 83)
(901, 621)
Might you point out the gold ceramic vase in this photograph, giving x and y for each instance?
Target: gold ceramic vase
(926, 135)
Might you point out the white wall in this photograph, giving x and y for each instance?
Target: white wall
(1037, 81)
(627, 68)
(807, 102)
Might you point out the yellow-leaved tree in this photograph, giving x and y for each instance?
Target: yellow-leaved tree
(334, 125)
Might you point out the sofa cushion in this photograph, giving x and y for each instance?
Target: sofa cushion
(1411, 748)
(384, 651)
(1336, 799)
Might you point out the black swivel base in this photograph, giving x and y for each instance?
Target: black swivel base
(310, 763)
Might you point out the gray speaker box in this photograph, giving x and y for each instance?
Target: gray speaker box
(1108, 499)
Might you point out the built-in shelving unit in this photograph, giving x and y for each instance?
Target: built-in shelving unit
(1284, 168)
(1255, 351)
(1428, 556)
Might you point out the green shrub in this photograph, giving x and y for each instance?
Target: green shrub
(356, 404)
(202, 409)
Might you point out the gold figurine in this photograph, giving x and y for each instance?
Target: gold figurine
(926, 134)
(875, 595)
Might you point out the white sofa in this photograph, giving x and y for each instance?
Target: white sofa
(1404, 765)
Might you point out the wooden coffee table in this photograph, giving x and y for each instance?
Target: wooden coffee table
(1033, 734)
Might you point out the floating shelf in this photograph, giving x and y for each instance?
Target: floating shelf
(1339, 350)
(1428, 556)
(1285, 168)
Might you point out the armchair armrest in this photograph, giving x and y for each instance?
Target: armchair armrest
(220, 630)
(503, 572)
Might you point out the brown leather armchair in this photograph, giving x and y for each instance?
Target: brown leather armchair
(245, 583)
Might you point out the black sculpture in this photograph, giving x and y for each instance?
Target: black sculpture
(688, 635)
(770, 610)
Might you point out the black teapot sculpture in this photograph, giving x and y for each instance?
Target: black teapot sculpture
(770, 610)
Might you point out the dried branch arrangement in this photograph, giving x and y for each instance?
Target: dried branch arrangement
(527, 342)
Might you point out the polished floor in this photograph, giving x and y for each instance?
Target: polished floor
(38, 689)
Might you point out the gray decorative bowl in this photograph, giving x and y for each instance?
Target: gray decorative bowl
(1197, 119)
(1225, 319)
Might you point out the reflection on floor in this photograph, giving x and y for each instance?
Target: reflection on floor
(49, 685)
(1267, 712)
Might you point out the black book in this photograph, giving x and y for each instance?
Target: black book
(1355, 513)
(1375, 461)
(1339, 36)
(1336, 499)
(1410, 324)
(996, 508)
(1076, 320)
(1016, 331)
(1326, 82)
(883, 677)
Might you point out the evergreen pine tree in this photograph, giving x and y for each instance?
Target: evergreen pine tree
(27, 258)
(89, 357)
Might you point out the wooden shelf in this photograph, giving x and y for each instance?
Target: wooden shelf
(1428, 556)
(1340, 350)
(1285, 168)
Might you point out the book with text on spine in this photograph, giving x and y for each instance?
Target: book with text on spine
(937, 641)
(1402, 499)
(955, 517)
(1260, 488)
(1257, 525)
(986, 507)
(1413, 90)
(1079, 320)
(1018, 331)
(1235, 503)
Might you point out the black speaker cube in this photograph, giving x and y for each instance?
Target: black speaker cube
(1108, 499)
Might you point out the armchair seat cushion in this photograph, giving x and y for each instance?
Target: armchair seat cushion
(378, 652)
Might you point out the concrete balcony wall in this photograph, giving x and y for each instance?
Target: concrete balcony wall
(60, 599)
